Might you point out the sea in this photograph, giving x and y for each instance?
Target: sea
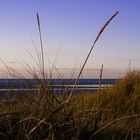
(12, 87)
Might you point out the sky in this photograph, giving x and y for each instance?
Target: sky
(69, 28)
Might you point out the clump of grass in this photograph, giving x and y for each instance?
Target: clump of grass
(128, 89)
(123, 99)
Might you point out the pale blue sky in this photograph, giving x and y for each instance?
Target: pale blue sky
(71, 26)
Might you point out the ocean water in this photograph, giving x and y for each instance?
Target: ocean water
(10, 89)
(17, 83)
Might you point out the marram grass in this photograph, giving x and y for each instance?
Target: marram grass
(116, 117)
(109, 114)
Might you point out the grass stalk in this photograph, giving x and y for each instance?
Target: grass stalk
(100, 78)
(96, 39)
(41, 45)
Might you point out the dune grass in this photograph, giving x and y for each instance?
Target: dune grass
(116, 117)
(109, 114)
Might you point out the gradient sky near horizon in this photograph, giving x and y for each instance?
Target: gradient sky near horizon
(69, 28)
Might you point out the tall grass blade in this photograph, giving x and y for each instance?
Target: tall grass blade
(100, 78)
(98, 35)
(41, 44)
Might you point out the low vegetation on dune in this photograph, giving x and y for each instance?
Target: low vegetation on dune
(113, 115)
